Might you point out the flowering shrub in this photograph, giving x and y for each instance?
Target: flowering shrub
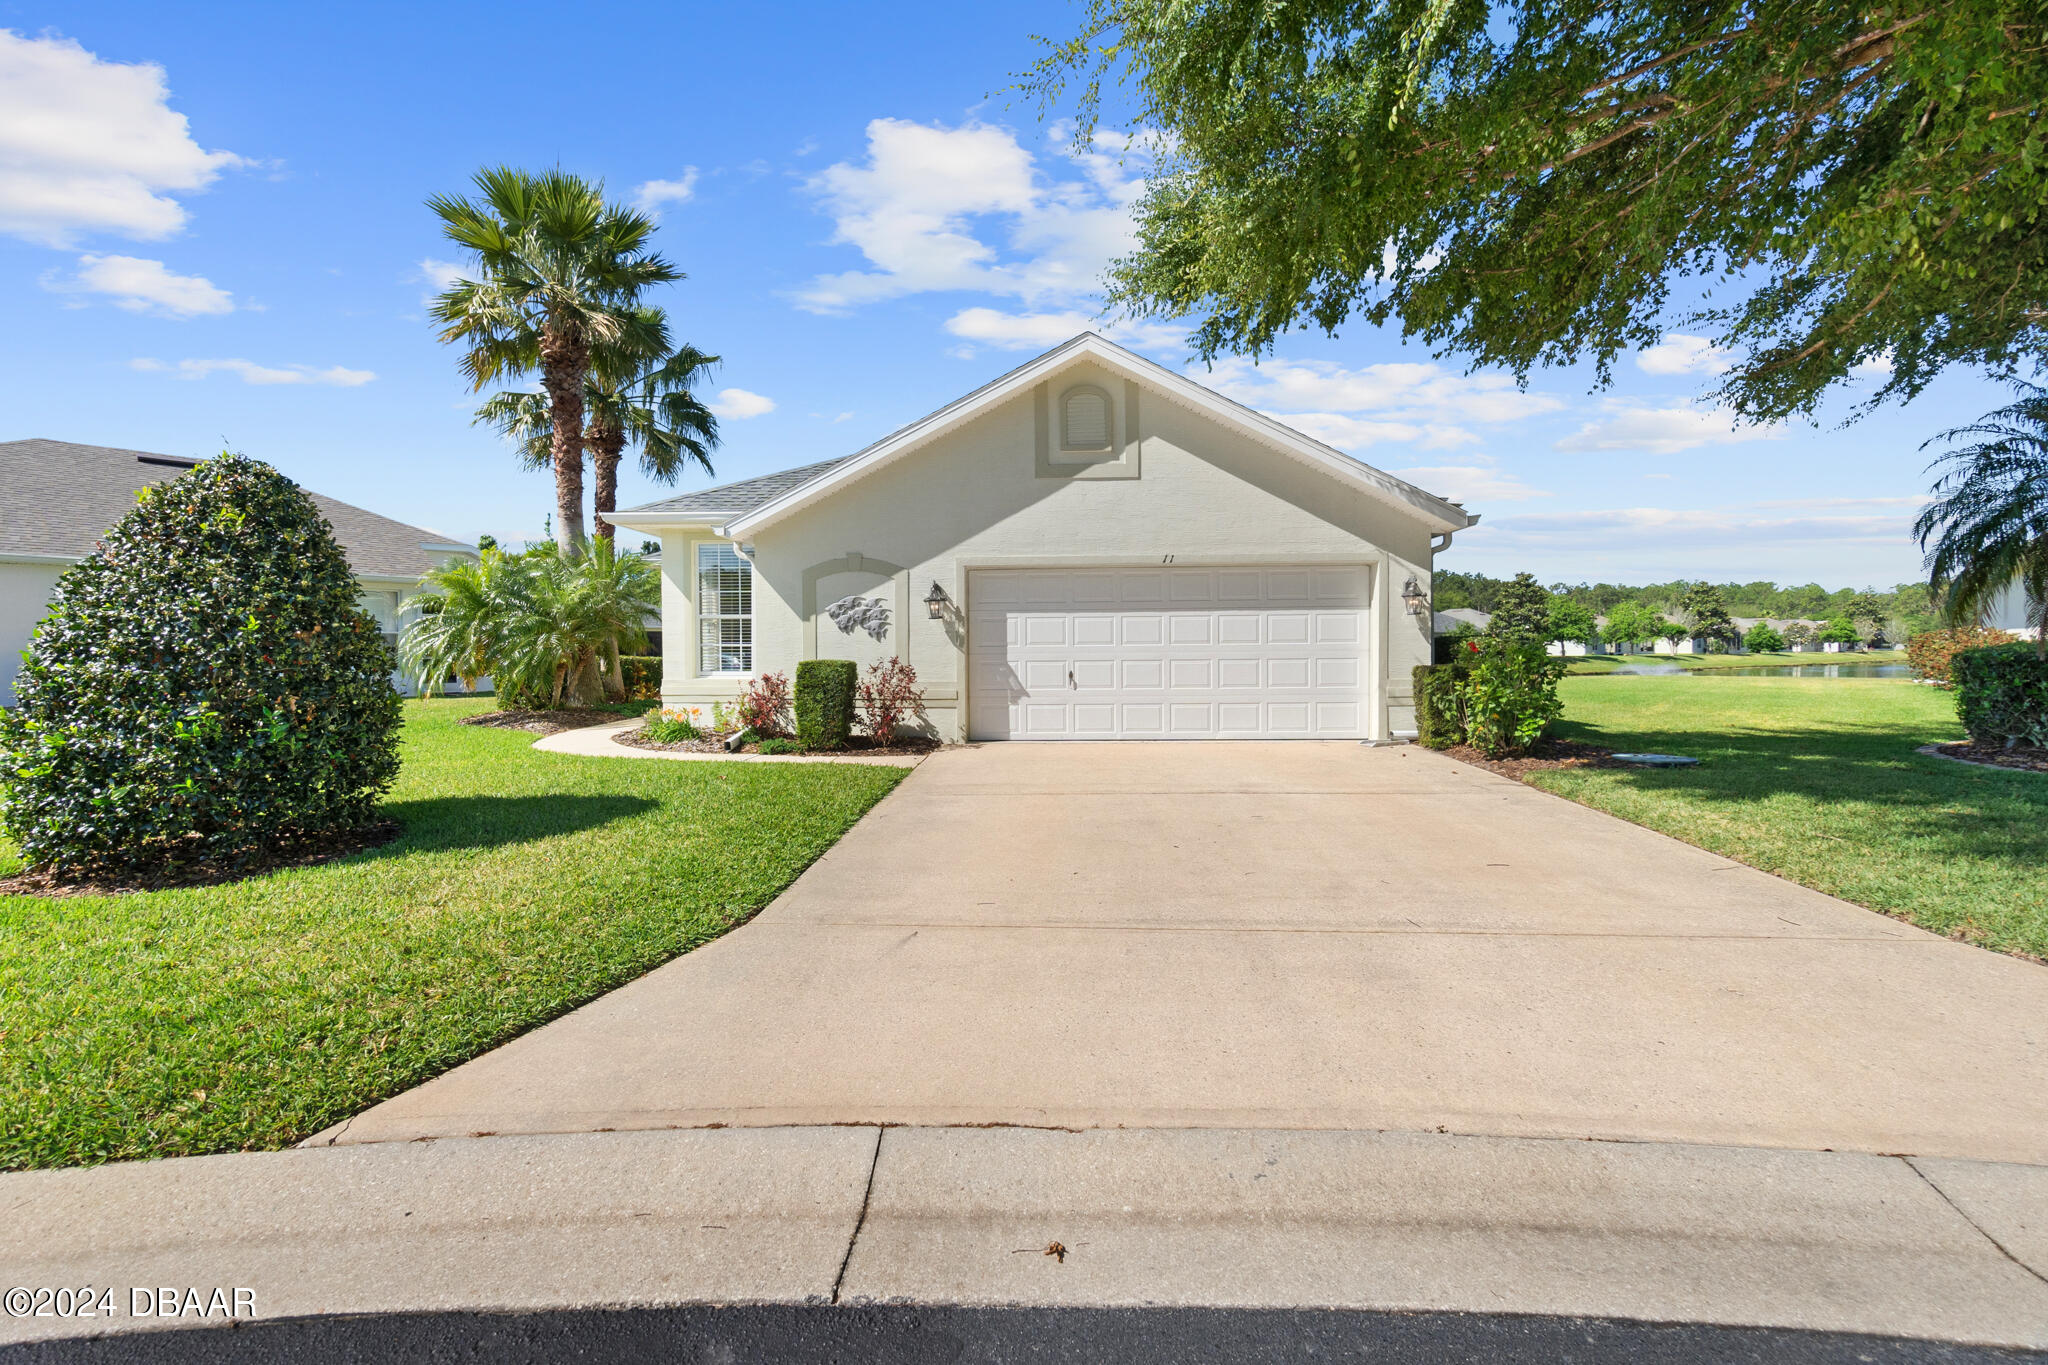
(1511, 697)
(764, 706)
(674, 725)
(1931, 653)
(887, 697)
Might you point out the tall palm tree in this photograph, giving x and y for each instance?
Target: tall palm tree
(1989, 523)
(639, 392)
(559, 271)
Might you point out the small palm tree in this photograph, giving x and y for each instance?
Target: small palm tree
(559, 271)
(639, 392)
(542, 627)
(1989, 523)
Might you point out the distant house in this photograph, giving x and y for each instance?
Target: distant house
(1782, 624)
(1447, 622)
(58, 498)
(2013, 612)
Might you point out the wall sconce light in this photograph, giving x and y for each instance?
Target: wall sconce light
(936, 602)
(1413, 597)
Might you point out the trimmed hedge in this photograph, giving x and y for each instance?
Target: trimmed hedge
(641, 674)
(1439, 709)
(205, 686)
(824, 702)
(2002, 694)
(1930, 653)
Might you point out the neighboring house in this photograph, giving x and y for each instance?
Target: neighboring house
(1090, 547)
(58, 498)
(1447, 621)
(2013, 612)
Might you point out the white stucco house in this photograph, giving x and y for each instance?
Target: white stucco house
(57, 498)
(2014, 612)
(1089, 547)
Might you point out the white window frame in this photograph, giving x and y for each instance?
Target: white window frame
(707, 621)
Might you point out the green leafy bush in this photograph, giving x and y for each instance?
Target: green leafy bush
(2002, 694)
(1498, 695)
(824, 702)
(1931, 653)
(641, 674)
(1439, 707)
(780, 746)
(205, 687)
(1763, 638)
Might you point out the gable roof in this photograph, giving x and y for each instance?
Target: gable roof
(57, 498)
(791, 493)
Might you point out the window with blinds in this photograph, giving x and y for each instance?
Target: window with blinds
(725, 610)
(1084, 419)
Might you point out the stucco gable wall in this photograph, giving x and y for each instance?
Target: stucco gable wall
(1203, 494)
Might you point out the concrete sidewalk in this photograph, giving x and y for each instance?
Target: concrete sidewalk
(1943, 1249)
(1288, 936)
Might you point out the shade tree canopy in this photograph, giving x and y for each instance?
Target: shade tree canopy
(1536, 182)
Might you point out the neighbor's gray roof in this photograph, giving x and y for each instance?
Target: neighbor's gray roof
(1449, 619)
(59, 498)
(734, 499)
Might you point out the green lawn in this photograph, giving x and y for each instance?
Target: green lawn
(1606, 663)
(249, 1016)
(1816, 780)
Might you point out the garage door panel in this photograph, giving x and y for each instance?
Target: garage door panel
(1094, 629)
(1196, 653)
(1143, 630)
(1237, 673)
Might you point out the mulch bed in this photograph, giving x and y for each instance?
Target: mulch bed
(858, 744)
(2020, 756)
(1551, 753)
(543, 722)
(302, 852)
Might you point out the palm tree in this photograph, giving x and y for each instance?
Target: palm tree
(545, 628)
(639, 393)
(559, 271)
(1989, 523)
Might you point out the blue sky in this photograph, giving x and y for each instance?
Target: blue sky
(211, 231)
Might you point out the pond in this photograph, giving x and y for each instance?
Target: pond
(1768, 671)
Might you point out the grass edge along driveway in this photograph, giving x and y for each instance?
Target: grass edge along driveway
(248, 1016)
(1816, 780)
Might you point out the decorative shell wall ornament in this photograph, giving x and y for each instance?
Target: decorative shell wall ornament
(870, 614)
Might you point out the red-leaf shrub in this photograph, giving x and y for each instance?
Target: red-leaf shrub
(764, 706)
(888, 696)
(1931, 653)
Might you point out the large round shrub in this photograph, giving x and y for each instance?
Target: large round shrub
(205, 687)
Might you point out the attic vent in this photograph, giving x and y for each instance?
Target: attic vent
(167, 460)
(1084, 419)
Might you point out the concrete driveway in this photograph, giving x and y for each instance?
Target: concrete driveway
(1287, 936)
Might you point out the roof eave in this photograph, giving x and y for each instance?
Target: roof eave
(654, 520)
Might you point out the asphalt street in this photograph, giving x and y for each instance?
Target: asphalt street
(888, 1335)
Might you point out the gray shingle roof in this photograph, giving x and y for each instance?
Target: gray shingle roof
(731, 499)
(59, 498)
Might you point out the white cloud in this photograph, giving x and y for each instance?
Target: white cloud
(1663, 429)
(143, 286)
(1678, 353)
(650, 195)
(91, 146)
(1029, 331)
(1881, 522)
(252, 373)
(1407, 391)
(1879, 366)
(968, 208)
(1480, 479)
(737, 404)
(441, 276)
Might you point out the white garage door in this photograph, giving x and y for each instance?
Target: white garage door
(1167, 653)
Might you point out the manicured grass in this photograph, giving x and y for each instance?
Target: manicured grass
(1607, 663)
(1816, 780)
(249, 1016)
